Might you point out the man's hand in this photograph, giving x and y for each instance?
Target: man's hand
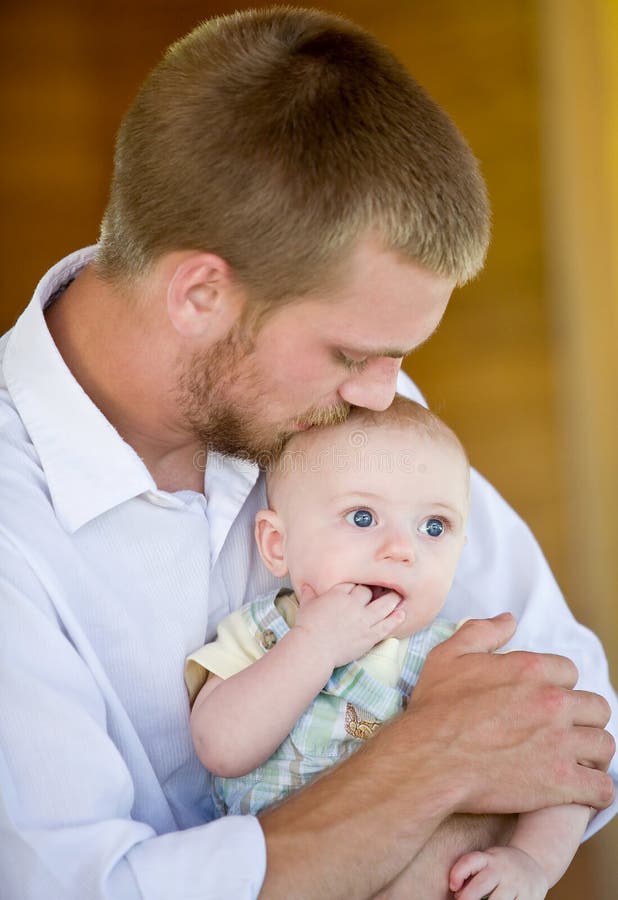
(515, 732)
(484, 733)
(345, 623)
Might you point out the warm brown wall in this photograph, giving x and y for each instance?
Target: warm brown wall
(67, 71)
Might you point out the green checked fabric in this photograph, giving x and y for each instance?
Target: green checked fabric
(350, 709)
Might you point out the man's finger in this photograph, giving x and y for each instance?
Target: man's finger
(594, 787)
(594, 747)
(543, 667)
(483, 635)
(590, 709)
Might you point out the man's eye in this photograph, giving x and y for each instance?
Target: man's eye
(357, 365)
(353, 365)
(362, 518)
(433, 527)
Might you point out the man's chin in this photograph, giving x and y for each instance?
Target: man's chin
(227, 435)
(263, 453)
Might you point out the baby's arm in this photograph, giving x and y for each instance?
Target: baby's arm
(237, 723)
(537, 856)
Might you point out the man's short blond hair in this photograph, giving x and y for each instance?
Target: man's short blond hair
(277, 139)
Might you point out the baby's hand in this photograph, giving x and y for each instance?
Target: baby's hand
(344, 622)
(515, 872)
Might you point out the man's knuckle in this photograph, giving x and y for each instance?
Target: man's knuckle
(554, 699)
(562, 770)
(532, 666)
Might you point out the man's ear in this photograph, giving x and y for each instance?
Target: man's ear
(270, 538)
(203, 299)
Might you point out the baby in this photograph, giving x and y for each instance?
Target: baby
(367, 519)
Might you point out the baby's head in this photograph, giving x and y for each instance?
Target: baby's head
(380, 500)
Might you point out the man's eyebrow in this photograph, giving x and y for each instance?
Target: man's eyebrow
(371, 352)
(392, 352)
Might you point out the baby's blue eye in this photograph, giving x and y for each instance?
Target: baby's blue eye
(433, 527)
(362, 518)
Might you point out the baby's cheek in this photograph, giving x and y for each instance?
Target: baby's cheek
(436, 592)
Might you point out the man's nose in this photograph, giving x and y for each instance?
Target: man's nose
(374, 387)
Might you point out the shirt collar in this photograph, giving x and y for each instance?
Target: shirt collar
(88, 466)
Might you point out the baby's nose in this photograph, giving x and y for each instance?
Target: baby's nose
(399, 547)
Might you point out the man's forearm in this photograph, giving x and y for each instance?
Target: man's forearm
(351, 832)
(366, 838)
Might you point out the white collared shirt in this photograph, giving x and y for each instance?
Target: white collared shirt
(106, 585)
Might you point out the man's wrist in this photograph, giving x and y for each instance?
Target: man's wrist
(455, 787)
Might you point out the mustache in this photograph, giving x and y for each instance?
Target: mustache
(321, 418)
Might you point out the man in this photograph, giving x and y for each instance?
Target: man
(289, 214)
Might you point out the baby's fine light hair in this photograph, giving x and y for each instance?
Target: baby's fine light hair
(402, 413)
(405, 412)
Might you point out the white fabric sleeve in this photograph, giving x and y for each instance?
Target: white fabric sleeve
(67, 830)
(503, 569)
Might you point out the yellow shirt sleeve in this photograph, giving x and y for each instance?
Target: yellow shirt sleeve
(233, 650)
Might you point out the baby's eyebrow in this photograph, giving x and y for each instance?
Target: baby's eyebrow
(452, 511)
(356, 495)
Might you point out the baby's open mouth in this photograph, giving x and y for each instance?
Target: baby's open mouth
(378, 590)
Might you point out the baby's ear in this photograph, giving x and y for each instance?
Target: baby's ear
(270, 534)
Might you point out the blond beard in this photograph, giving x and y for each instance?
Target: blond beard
(206, 395)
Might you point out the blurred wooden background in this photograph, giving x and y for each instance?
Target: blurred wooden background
(525, 364)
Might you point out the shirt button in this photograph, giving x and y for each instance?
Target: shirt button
(269, 639)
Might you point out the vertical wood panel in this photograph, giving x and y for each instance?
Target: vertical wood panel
(580, 80)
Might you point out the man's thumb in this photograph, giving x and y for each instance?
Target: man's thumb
(485, 635)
